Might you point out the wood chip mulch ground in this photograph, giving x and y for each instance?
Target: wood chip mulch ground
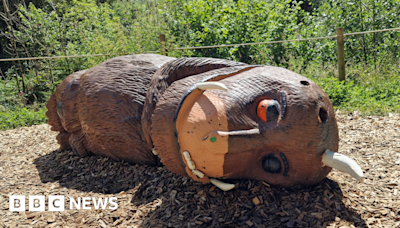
(31, 164)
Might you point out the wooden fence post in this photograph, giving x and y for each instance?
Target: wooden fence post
(163, 45)
(340, 53)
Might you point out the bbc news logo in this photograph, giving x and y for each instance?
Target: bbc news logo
(57, 203)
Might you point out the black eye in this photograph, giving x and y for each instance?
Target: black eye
(273, 110)
(268, 110)
(271, 164)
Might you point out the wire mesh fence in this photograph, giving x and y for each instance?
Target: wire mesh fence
(44, 63)
(164, 49)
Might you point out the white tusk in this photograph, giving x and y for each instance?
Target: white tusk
(187, 155)
(343, 163)
(191, 164)
(198, 173)
(222, 185)
(154, 151)
(211, 85)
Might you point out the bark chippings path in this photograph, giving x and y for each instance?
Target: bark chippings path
(30, 164)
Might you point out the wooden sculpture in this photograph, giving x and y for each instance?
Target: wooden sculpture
(209, 119)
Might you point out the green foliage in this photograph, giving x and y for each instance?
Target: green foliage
(142, 22)
(14, 110)
(72, 27)
(215, 22)
(65, 28)
(78, 29)
(356, 16)
(369, 91)
(374, 99)
(22, 116)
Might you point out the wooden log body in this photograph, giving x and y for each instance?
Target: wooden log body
(100, 109)
(272, 124)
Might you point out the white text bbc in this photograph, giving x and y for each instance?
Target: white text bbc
(57, 203)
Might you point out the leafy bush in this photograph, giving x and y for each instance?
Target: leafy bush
(72, 27)
(357, 16)
(81, 28)
(68, 28)
(20, 117)
(215, 22)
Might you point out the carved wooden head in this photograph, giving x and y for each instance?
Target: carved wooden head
(246, 122)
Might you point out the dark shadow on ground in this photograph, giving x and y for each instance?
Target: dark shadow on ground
(186, 203)
(91, 174)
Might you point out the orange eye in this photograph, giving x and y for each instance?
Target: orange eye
(268, 110)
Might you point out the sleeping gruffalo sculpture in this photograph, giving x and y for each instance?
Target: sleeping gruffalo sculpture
(208, 119)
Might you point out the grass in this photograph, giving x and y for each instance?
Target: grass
(367, 90)
(20, 117)
(15, 110)
(377, 98)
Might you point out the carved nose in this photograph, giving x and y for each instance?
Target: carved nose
(323, 115)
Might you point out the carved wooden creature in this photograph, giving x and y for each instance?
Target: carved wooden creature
(209, 119)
